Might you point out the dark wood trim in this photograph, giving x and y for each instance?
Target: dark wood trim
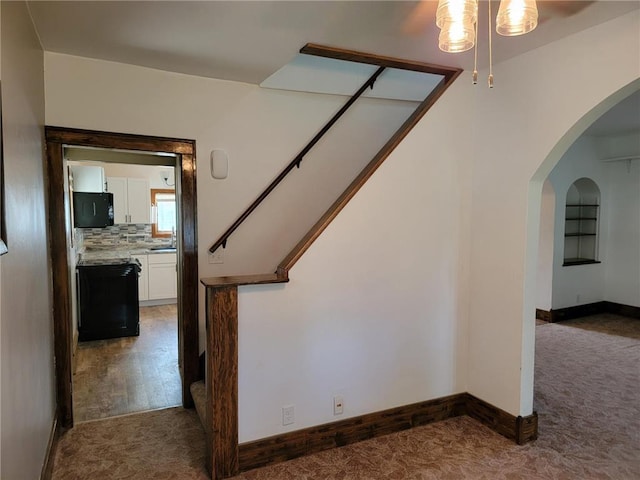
(621, 309)
(225, 458)
(544, 315)
(222, 381)
(379, 60)
(519, 429)
(61, 284)
(526, 428)
(449, 74)
(284, 447)
(295, 444)
(577, 311)
(315, 231)
(244, 280)
(118, 141)
(222, 241)
(56, 138)
(52, 445)
(188, 286)
(582, 261)
(595, 308)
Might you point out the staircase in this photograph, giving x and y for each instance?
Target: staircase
(216, 398)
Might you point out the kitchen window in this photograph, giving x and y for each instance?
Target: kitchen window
(163, 203)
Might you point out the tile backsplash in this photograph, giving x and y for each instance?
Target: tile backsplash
(117, 236)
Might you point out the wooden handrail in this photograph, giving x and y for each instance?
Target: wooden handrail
(222, 241)
(294, 255)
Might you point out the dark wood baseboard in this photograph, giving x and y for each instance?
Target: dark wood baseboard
(625, 310)
(295, 444)
(47, 466)
(519, 429)
(577, 311)
(544, 315)
(595, 308)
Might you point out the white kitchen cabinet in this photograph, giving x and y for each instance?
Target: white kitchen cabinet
(131, 199)
(88, 178)
(143, 278)
(163, 278)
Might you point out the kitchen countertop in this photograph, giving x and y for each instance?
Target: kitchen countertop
(121, 253)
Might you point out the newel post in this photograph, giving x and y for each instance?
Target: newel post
(222, 381)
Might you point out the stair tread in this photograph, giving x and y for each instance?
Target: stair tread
(199, 394)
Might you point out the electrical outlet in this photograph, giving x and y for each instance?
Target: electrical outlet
(338, 405)
(217, 256)
(288, 414)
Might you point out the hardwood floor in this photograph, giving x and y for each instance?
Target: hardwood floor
(132, 374)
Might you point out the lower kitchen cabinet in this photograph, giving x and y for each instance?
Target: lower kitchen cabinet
(162, 276)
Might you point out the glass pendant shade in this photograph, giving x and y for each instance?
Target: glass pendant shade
(456, 20)
(456, 37)
(516, 17)
(456, 11)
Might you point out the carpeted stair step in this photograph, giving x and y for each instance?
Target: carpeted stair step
(199, 395)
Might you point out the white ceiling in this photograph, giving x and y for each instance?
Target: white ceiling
(248, 41)
(308, 73)
(621, 118)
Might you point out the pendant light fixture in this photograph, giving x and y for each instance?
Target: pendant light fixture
(458, 23)
(456, 20)
(516, 17)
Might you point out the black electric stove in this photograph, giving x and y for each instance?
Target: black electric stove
(107, 298)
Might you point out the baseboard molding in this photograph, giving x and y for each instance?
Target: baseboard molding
(625, 310)
(544, 315)
(519, 429)
(577, 311)
(47, 466)
(295, 444)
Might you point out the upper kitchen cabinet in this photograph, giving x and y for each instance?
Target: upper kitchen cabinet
(88, 178)
(131, 199)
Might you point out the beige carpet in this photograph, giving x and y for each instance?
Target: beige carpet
(587, 395)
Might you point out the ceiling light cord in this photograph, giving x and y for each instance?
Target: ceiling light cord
(458, 23)
(475, 50)
(490, 51)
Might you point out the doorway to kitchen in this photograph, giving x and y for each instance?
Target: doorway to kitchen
(175, 153)
(125, 351)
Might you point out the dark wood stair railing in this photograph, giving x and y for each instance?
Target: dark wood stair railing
(224, 454)
(222, 241)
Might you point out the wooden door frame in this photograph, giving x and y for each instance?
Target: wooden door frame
(56, 139)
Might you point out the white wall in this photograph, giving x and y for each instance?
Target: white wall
(391, 281)
(542, 102)
(578, 284)
(425, 284)
(617, 278)
(375, 310)
(261, 130)
(622, 251)
(28, 390)
(544, 283)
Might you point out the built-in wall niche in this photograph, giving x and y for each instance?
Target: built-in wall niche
(582, 219)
